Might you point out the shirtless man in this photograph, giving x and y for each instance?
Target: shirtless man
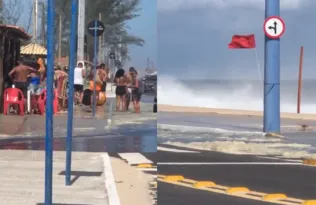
(104, 76)
(19, 75)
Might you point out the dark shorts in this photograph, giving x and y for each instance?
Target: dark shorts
(78, 88)
(120, 90)
(22, 86)
(136, 96)
(103, 86)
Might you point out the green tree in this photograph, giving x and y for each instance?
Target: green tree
(114, 13)
(11, 11)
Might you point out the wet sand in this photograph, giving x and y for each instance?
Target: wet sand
(208, 111)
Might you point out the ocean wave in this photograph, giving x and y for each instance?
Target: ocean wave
(171, 91)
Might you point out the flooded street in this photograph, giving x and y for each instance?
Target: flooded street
(88, 144)
(236, 134)
(127, 132)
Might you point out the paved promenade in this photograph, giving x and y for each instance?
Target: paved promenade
(22, 178)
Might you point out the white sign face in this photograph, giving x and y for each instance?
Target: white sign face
(274, 27)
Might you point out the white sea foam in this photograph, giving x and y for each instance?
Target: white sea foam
(235, 147)
(173, 92)
(185, 129)
(230, 141)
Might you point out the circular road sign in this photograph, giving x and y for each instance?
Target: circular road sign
(274, 27)
(96, 25)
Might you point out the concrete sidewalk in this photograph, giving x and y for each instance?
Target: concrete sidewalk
(22, 178)
(132, 184)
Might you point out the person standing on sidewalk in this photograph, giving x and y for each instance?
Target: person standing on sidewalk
(129, 88)
(79, 75)
(136, 90)
(19, 75)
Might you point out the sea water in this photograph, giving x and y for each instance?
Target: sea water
(236, 135)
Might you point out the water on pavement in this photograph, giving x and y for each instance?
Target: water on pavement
(127, 132)
(236, 134)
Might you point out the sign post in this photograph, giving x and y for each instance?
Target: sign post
(49, 103)
(95, 29)
(118, 64)
(111, 95)
(112, 59)
(274, 28)
(72, 55)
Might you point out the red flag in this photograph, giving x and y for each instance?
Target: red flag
(242, 41)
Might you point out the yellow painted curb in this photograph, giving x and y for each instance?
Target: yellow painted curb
(309, 162)
(309, 202)
(234, 190)
(271, 134)
(173, 178)
(204, 184)
(269, 197)
(144, 166)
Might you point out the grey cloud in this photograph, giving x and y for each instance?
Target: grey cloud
(195, 40)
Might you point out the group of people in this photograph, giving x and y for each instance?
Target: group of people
(102, 76)
(29, 77)
(128, 87)
(32, 77)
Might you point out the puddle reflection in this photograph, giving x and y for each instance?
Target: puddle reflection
(88, 144)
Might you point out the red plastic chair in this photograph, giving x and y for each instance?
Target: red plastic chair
(13, 96)
(42, 102)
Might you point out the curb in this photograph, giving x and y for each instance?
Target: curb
(109, 181)
(274, 135)
(309, 202)
(305, 161)
(152, 185)
(243, 192)
(309, 161)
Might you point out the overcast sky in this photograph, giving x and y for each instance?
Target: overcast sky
(193, 37)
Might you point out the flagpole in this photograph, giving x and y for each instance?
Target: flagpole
(258, 68)
(258, 65)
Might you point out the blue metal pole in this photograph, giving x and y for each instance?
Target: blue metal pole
(272, 74)
(73, 32)
(49, 103)
(95, 68)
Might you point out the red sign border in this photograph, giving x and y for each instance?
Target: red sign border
(264, 27)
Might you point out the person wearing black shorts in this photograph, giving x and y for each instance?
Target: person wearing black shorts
(79, 74)
(78, 88)
(136, 95)
(22, 86)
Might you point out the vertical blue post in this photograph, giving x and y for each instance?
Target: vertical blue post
(272, 74)
(49, 103)
(95, 67)
(73, 31)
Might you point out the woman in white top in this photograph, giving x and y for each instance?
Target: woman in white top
(79, 74)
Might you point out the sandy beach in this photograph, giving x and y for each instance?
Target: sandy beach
(206, 111)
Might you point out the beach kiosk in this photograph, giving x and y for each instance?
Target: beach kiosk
(11, 38)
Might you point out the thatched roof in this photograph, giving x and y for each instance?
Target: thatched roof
(33, 49)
